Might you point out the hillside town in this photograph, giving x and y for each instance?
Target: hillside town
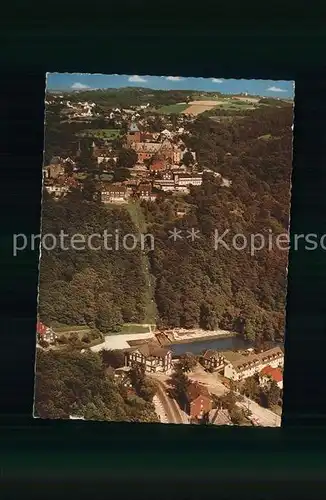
(158, 163)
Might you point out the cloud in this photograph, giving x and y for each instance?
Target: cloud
(174, 78)
(136, 78)
(217, 80)
(276, 89)
(79, 86)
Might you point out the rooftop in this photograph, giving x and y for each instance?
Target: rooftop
(133, 127)
(240, 362)
(152, 350)
(210, 353)
(275, 373)
(195, 390)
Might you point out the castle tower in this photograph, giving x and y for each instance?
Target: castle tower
(133, 134)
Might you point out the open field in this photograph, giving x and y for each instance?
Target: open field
(104, 133)
(247, 99)
(198, 107)
(173, 108)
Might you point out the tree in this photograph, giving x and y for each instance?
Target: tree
(187, 159)
(236, 415)
(251, 387)
(147, 389)
(217, 402)
(127, 158)
(68, 168)
(229, 401)
(90, 190)
(179, 383)
(108, 318)
(121, 174)
(273, 394)
(113, 357)
(205, 420)
(75, 383)
(137, 377)
(187, 362)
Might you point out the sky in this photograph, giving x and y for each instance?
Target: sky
(81, 81)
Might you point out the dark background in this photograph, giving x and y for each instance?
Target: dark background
(119, 460)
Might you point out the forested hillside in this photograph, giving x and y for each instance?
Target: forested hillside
(76, 384)
(198, 285)
(101, 288)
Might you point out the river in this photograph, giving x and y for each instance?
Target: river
(224, 344)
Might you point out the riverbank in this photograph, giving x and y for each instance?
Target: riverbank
(171, 338)
(189, 336)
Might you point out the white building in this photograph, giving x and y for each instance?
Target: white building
(114, 194)
(239, 367)
(188, 179)
(57, 190)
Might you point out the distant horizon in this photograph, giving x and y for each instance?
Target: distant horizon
(68, 82)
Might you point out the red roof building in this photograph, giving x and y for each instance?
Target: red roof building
(199, 400)
(45, 333)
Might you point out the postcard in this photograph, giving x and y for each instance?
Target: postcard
(163, 249)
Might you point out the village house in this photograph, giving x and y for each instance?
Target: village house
(165, 184)
(239, 367)
(188, 179)
(168, 175)
(53, 171)
(273, 357)
(145, 150)
(45, 333)
(158, 164)
(106, 157)
(144, 191)
(167, 134)
(212, 360)
(121, 375)
(151, 357)
(167, 150)
(112, 193)
(181, 212)
(198, 400)
(177, 155)
(268, 374)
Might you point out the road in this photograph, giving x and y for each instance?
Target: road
(169, 405)
(266, 418)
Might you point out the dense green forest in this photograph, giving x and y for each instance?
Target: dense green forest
(229, 288)
(101, 288)
(78, 384)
